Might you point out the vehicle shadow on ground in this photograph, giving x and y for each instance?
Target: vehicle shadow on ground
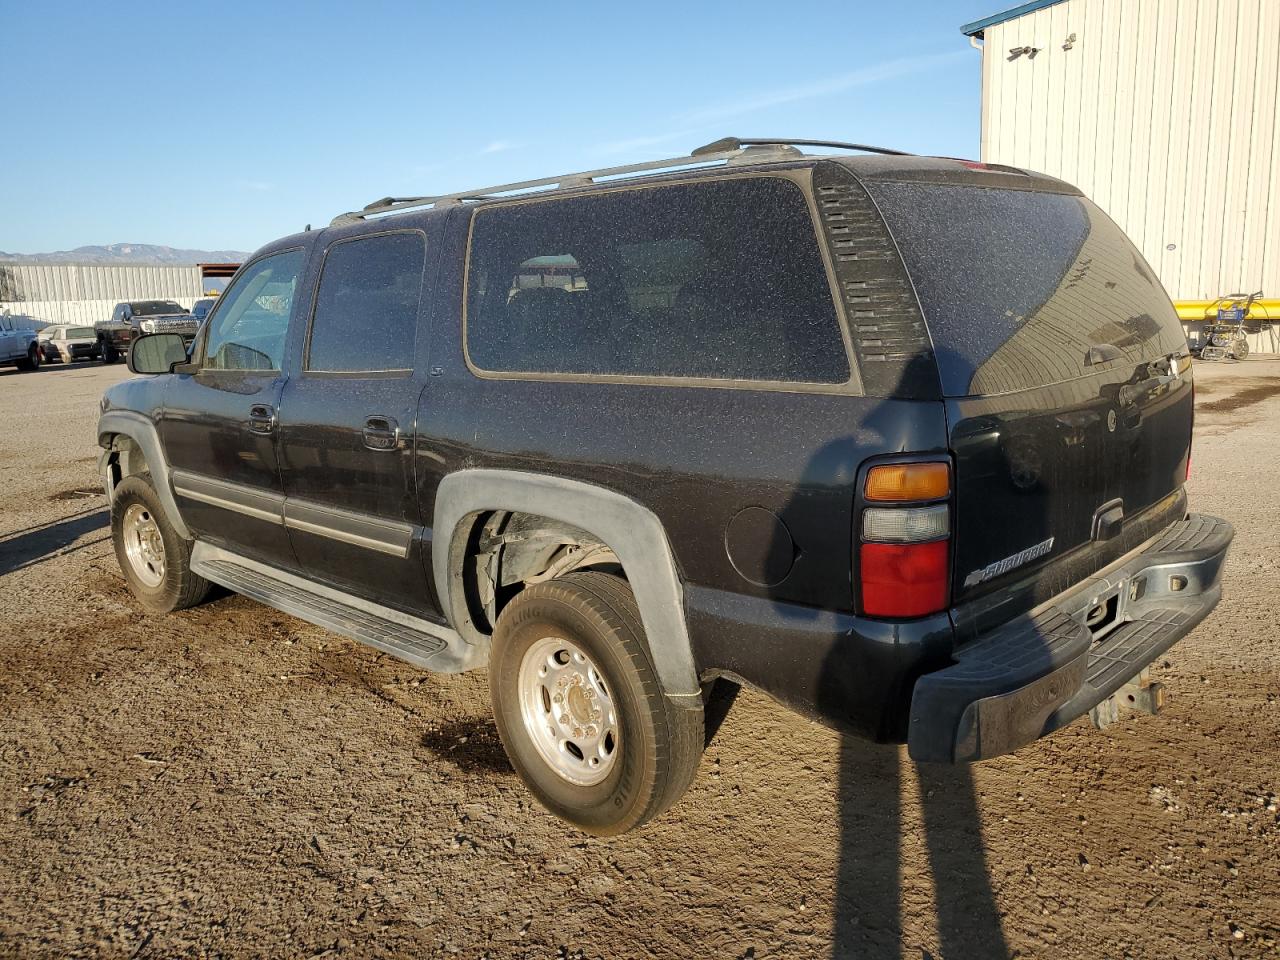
(23, 548)
(870, 882)
(868, 919)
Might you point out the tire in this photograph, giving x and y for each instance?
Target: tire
(138, 526)
(656, 746)
(32, 361)
(108, 352)
(1241, 349)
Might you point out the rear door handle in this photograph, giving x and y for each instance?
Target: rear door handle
(381, 433)
(262, 418)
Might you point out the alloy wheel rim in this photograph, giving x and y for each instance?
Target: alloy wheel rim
(143, 544)
(568, 711)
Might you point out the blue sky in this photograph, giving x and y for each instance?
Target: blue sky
(225, 125)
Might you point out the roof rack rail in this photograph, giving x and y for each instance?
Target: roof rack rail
(729, 150)
(734, 143)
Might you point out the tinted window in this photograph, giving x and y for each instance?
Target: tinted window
(151, 308)
(1018, 287)
(720, 279)
(366, 315)
(248, 331)
(76, 333)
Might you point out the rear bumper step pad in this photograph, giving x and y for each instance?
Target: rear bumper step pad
(1043, 670)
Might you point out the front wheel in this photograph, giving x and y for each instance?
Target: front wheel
(580, 710)
(32, 361)
(155, 560)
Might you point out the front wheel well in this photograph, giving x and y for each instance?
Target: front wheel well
(506, 551)
(124, 459)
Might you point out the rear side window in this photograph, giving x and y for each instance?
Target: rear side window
(719, 280)
(366, 313)
(1023, 289)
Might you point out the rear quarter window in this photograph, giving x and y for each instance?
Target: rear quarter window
(721, 279)
(1019, 287)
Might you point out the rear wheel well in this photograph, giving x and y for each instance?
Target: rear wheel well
(507, 551)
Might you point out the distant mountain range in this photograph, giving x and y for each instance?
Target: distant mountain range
(140, 253)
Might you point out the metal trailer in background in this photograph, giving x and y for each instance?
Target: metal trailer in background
(1167, 114)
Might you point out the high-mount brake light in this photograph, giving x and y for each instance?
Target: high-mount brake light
(900, 482)
(904, 553)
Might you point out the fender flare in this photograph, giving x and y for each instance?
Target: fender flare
(630, 529)
(142, 431)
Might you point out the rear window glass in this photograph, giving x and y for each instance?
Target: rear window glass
(366, 314)
(1023, 289)
(721, 280)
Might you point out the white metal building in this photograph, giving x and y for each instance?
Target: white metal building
(1166, 113)
(83, 293)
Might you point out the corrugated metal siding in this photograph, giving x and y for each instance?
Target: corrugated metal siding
(1166, 113)
(79, 312)
(24, 282)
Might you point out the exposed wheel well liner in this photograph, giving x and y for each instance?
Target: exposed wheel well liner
(560, 508)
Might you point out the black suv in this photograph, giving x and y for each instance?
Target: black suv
(133, 318)
(900, 441)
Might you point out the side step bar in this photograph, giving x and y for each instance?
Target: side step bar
(412, 639)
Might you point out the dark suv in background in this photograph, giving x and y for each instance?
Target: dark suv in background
(899, 440)
(137, 317)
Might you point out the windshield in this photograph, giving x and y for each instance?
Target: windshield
(76, 333)
(1021, 289)
(150, 308)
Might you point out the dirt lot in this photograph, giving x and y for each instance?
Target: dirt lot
(233, 782)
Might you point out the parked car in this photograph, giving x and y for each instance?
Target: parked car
(200, 310)
(830, 426)
(61, 342)
(18, 345)
(136, 317)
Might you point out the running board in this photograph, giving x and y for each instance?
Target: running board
(412, 639)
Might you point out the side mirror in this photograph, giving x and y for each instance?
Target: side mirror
(157, 353)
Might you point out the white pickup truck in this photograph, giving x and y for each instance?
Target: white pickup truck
(18, 345)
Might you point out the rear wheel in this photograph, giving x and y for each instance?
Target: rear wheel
(155, 560)
(32, 361)
(108, 352)
(580, 710)
(1241, 349)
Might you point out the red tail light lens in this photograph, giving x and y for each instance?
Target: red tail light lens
(905, 539)
(904, 579)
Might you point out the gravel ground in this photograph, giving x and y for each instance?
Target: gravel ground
(233, 782)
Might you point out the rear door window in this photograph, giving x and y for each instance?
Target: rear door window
(1022, 289)
(366, 312)
(716, 280)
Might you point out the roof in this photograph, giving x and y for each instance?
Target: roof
(975, 29)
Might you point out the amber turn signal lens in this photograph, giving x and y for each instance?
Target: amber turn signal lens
(908, 481)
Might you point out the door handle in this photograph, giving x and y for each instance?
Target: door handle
(381, 433)
(262, 418)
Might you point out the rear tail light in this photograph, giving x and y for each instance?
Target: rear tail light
(906, 524)
(908, 481)
(904, 551)
(904, 579)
